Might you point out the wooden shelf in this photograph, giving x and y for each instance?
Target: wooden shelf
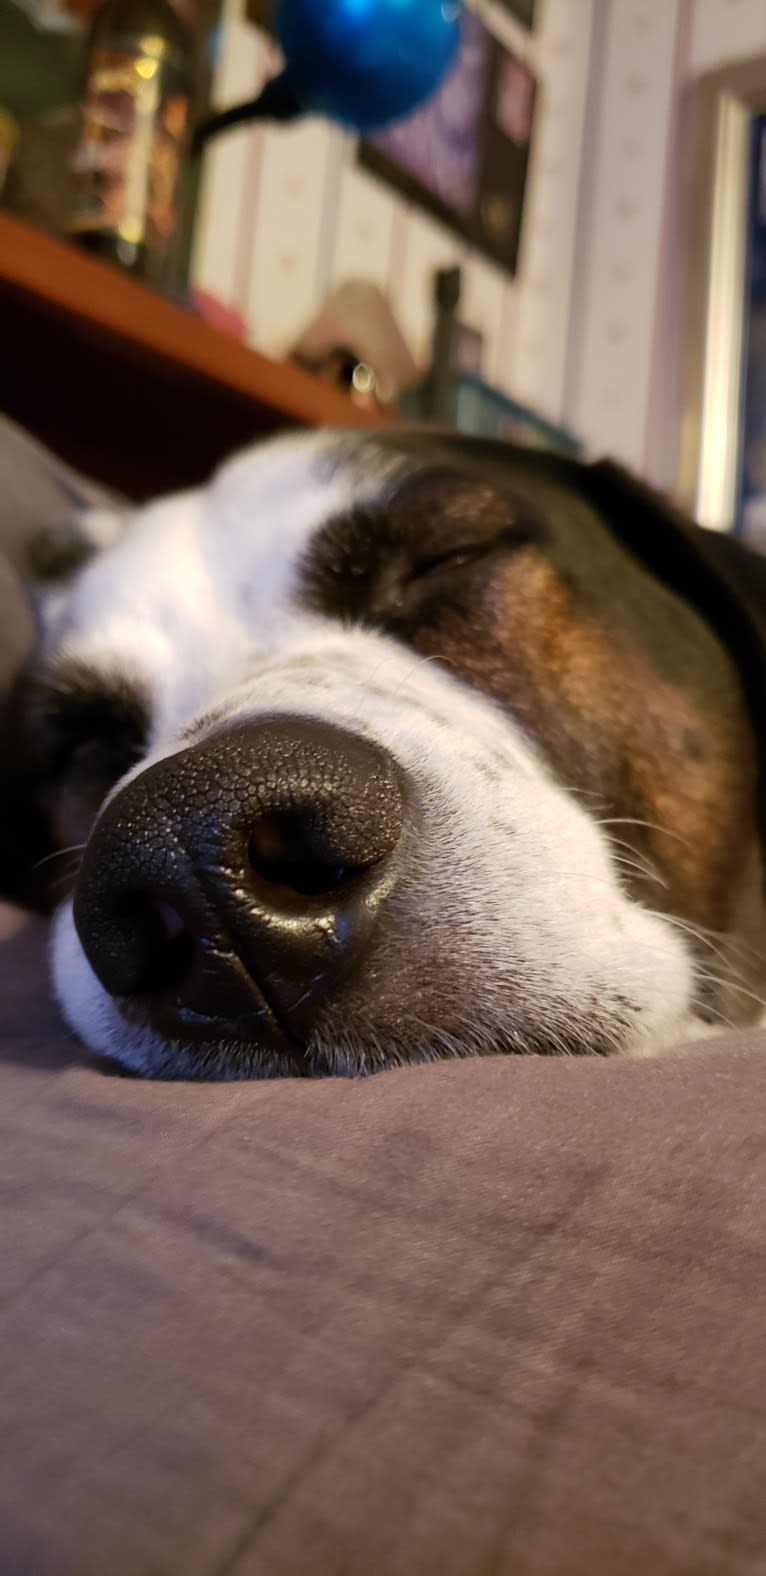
(129, 387)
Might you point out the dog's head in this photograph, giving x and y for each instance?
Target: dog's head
(392, 747)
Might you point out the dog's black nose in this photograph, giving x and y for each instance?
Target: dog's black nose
(229, 888)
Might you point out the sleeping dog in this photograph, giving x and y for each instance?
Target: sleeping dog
(391, 747)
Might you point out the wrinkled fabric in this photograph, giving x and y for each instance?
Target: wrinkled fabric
(490, 1316)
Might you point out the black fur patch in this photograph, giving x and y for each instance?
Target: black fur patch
(380, 563)
(85, 725)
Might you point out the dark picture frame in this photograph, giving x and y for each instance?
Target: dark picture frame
(464, 156)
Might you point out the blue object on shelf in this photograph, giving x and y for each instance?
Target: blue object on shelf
(366, 62)
(473, 406)
(483, 410)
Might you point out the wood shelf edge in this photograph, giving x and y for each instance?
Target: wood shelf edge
(65, 280)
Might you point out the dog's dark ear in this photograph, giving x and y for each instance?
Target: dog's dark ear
(724, 579)
(51, 521)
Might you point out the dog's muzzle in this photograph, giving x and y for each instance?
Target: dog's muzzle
(228, 890)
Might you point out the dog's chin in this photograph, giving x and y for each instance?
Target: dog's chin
(117, 1034)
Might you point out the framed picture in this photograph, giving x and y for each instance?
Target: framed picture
(722, 469)
(464, 154)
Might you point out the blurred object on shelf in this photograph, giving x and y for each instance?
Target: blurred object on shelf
(57, 16)
(43, 70)
(40, 57)
(356, 342)
(438, 387)
(9, 139)
(454, 394)
(480, 409)
(469, 349)
(364, 66)
(41, 184)
(41, 46)
(217, 314)
(136, 120)
(457, 347)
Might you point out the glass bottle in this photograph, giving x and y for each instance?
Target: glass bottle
(135, 132)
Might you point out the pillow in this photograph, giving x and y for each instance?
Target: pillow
(43, 504)
(499, 1315)
(40, 494)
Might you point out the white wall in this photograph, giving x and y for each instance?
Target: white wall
(622, 395)
(586, 333)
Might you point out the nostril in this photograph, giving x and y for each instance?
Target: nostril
(287, 849)
(160, 948)
(171, 921)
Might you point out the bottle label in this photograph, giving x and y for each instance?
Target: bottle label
(129, 155)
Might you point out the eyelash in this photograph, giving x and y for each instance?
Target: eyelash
(456, 558)
(521, 533)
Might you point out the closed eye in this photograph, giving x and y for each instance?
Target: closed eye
(456, 558)
(517, 534)
(376, 562)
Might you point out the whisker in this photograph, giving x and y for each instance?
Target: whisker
(731, 984)
(706, 1010)
(60, 853)
(639, 868)
(652, 826)
(736, 950)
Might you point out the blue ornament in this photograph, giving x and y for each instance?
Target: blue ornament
(366, 63)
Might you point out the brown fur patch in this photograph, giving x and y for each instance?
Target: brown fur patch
(618, 730)
(636, 704)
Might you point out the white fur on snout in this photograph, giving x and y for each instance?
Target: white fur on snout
(509, 922)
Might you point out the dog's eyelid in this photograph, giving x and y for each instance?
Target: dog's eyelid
(457, 557)
(520, 530)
